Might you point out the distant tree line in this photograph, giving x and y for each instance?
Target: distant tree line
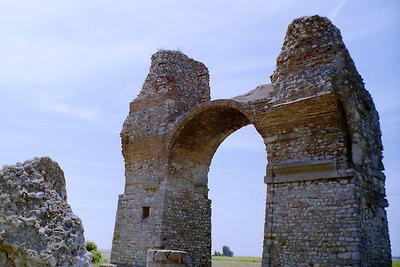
(226, 251)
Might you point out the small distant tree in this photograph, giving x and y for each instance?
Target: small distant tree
(227, 252)
(92, 248)
(217, 253)
(96, 256)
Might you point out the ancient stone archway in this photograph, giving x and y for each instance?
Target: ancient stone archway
(325, 196)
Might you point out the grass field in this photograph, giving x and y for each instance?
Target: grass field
(221, 261)
(239, 259)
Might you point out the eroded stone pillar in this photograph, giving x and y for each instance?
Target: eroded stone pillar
(326, 198)
(174, 85)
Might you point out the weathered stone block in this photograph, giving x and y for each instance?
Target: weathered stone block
(37, 226)
(167, 258)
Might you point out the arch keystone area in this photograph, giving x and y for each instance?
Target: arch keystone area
(325, 186)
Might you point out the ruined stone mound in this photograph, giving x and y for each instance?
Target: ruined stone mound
(37, 226)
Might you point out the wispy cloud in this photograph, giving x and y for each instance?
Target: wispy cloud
(97, 126)
(336, 10)
(93, 163)
(358, 26)
(53, 125)
(51, 104)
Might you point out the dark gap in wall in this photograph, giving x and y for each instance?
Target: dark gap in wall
(145, 213)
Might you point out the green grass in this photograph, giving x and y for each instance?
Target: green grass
(238, 259)
(396, 263)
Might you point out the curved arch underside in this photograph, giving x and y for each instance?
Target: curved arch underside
(201, 133)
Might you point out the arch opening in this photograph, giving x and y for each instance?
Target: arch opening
(237, 193)
(197, 138)
(191, 150)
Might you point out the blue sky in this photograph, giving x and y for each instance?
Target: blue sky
(70, 68)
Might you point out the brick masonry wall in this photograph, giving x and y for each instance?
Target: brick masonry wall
(312, 223)
(187, 224)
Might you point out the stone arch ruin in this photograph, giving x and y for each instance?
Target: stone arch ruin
(325, 186)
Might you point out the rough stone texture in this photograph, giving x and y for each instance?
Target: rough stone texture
(325, 203)
(37, 226)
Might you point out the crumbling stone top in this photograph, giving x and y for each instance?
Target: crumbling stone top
(174, 85)
(172, 72)
(312, 54)
(313, 30)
